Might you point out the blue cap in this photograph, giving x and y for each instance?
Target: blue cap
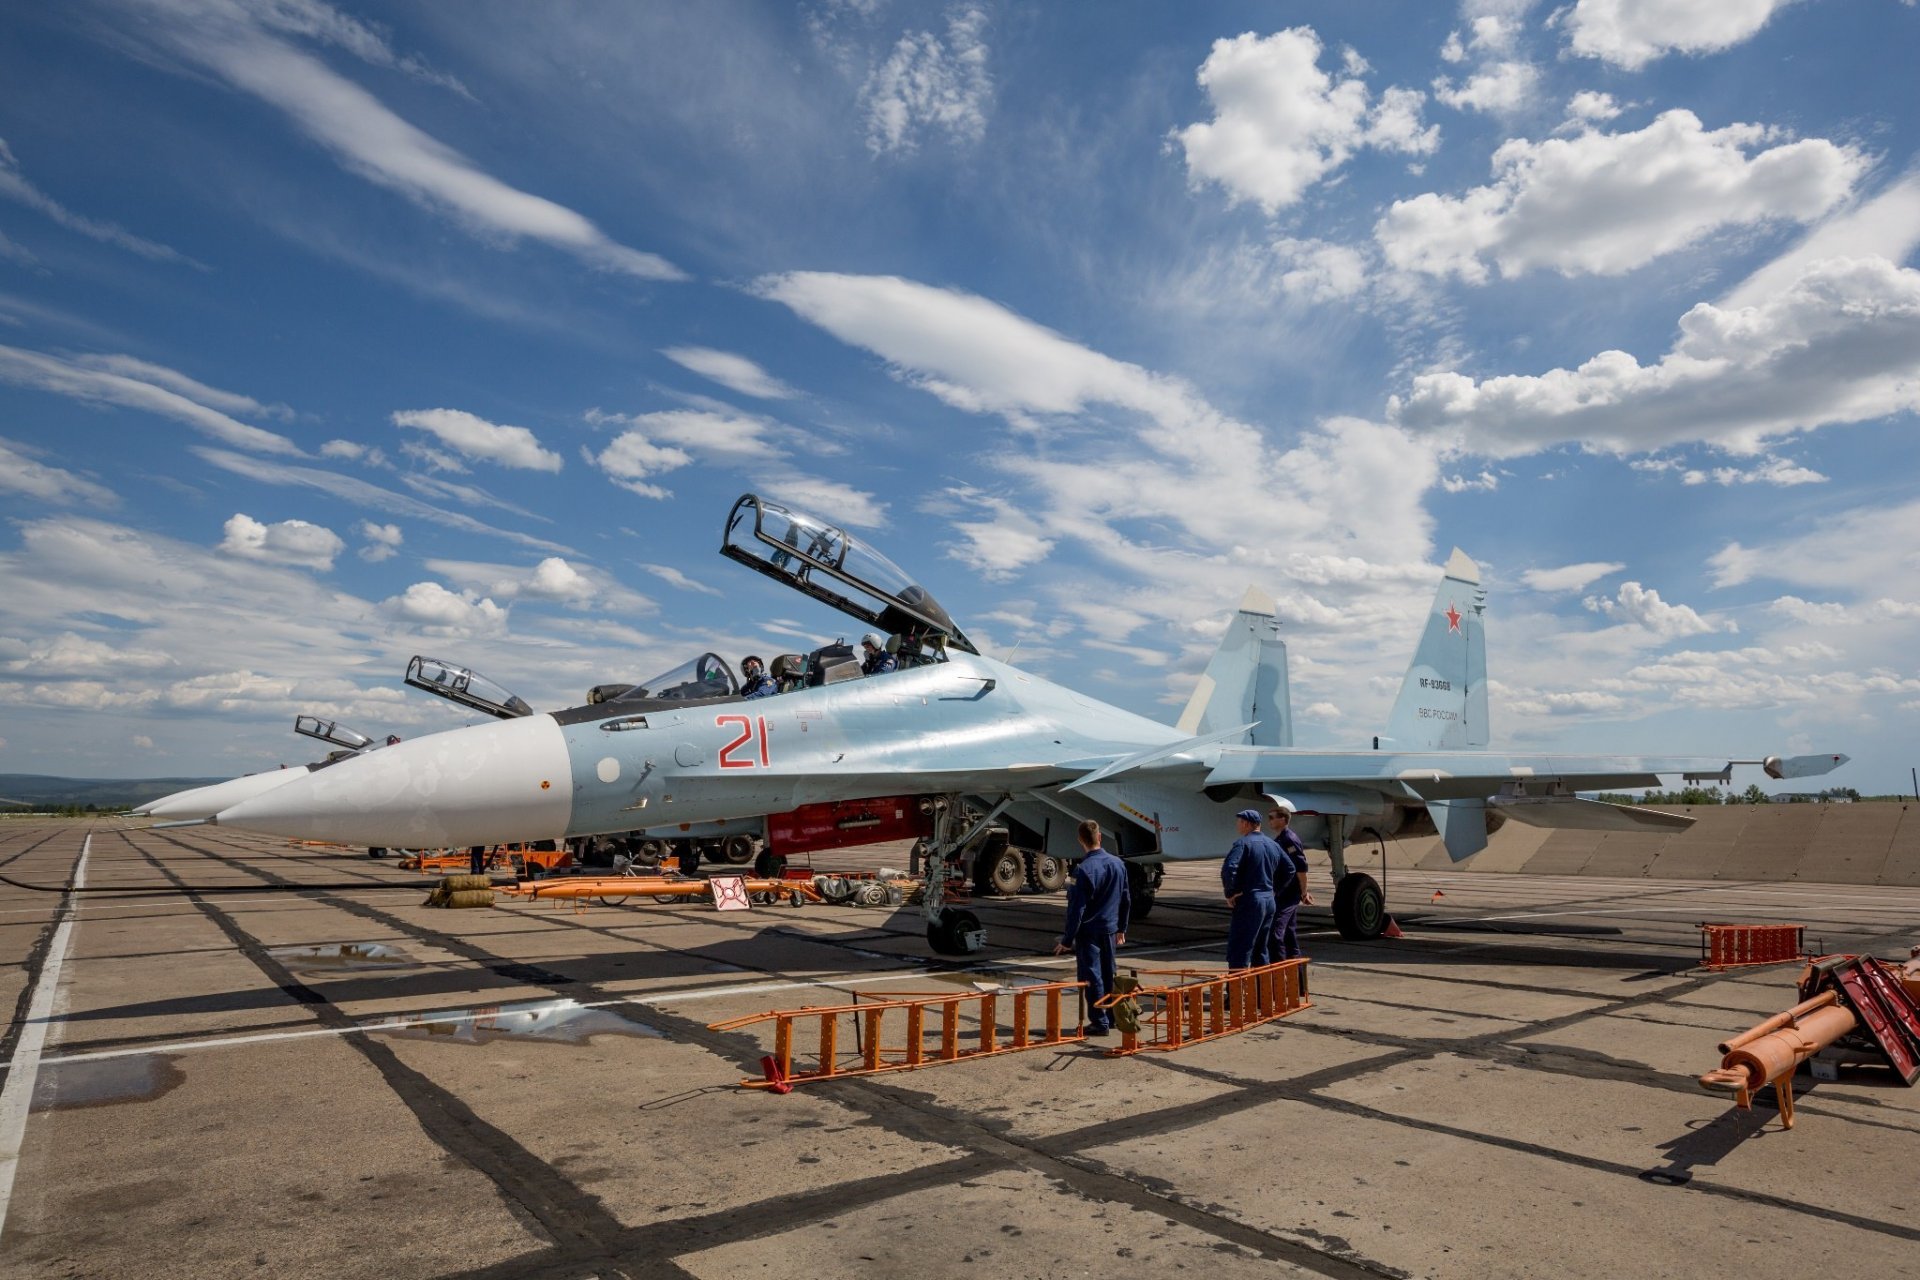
(1249, 815)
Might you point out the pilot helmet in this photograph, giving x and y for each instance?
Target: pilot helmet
(751, 661)
(873, 638)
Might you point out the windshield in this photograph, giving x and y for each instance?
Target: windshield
(466, 687)
(835, 568)
(331, 731)
(707, 676)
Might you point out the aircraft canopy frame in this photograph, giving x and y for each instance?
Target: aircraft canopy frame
(465, 686)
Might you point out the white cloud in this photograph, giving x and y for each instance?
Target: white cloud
(1319, 271)
(829, 499)
(1569, 702)
(69, 654)
(928, 83)
(134, 384)
(1840, 615)
(631, 460)
(1572, 577)
(477, 438)
(1643, 607)
(1864, 549)
(555, 579)
(320, 22)
(1842, 344)
(1773, 471)
(20, 474)
(15, 187)
(1604, 204)
(1499, 88)
(230, 40)
(673, 577)
(1886, 226)
(293, 542)
(382, 541)
(436, 611)
(192, 388)
(998, 546)
(718, 434)
(1632, 33)
(141, 741)
(735, 372)
(1281, 124)
(1485, 482)
(1590, 105)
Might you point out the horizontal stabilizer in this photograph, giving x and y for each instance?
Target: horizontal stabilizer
(1462, 825)
(1802, 766)
(1567, 813)
(1126, 764)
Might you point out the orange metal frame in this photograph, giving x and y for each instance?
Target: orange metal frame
(1206, 1004)
(1735, 946)
(647, 887)
(871, 1052)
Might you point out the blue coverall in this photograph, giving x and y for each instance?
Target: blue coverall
(1252, 866)
(1286, 898)
(760, 686)
(1098, 906)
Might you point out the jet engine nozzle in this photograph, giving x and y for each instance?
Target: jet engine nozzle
(486, 784)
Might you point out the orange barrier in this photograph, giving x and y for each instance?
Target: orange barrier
(1734, 946)
(1205, 1004)
(871, 1053)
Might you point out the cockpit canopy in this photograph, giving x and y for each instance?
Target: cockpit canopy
(331, 731)
(701, 679)
(464, 686)
(837, 569)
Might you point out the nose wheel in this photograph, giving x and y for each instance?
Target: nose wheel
(951, 931)
(956, 933)
(1359, 907)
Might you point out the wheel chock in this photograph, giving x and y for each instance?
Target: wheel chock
(1392, 930)
(776, 1078)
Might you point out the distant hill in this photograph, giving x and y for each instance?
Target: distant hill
(36, 790)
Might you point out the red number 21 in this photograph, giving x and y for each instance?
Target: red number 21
(749, 731)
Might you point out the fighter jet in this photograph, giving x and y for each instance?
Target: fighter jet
(200, 803)
(967, 740)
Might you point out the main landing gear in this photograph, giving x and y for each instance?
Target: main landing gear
(1359, 903)
(951, 931)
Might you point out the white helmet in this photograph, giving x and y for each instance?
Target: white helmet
(872, 638)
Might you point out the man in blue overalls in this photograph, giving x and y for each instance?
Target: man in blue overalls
(1097, 909)
(1247, 878)
(1291, 890)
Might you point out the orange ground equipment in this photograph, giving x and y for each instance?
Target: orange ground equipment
(1203, 1004)
(1735, 946)
(613, 891)
(1855, 1002)
(964, 1025)
(502, 856)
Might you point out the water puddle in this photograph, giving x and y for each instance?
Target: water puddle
(339, 957)
(546, 1021)
(70, 1086)
(975, 982)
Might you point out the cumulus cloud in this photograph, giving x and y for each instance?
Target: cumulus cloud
(1004, 541)
(235, 42)
(1643, 607)
(829, 499)
(475, 437)
(433, 610)
(1319, 271)
(1499, 88)
(1281, 124)
(1632, 33)
(294, 542)
(1604, 204)
(735, 372)
(553, 580)
(1840, 615)
(15, 187)
(69, 654)
(1485, 482)
(1774, 471)
(930, 84)
(382, 541)
(631, 461)
(1572, 577)
(1841, 344)
(22, 475)
(135, 384)
(1590, 105)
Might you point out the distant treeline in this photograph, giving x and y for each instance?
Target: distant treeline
(1752, 795)
(41, 793)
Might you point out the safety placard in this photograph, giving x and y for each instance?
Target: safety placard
(729, 893)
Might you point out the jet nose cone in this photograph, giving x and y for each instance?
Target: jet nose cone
(482, 785)
(204, 802)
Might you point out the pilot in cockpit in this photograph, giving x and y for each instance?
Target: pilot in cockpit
(875, 660)
(758, 683)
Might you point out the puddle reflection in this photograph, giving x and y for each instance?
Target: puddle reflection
(334, 957)
(548, 1021)
(70, 1086)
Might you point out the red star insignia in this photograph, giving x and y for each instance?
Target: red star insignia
(1453, 617)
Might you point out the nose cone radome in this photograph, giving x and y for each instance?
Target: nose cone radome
(505, 781)
(204, 802)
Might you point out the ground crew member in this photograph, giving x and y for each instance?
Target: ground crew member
(1098, 906)
(877, 661)
(759, 684)
(1247, 878)
(1290, 891)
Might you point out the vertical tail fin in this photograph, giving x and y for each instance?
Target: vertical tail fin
(1443, 700)
(1246, 680)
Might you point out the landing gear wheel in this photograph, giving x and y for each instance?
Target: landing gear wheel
(769, 865)
(1141, 884)
(1001, 872)
(1359, 908)
(1046, 873)
(956, 933)
(376, 853)
(736, 851)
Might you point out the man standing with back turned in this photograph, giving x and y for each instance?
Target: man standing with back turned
(1097, 909)
(1247, 878)
(1291, 890)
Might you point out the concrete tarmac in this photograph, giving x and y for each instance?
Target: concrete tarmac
(345, 1083)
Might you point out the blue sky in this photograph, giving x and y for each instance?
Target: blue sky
(333, 335)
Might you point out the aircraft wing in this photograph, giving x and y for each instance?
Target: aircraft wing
(1466, 775)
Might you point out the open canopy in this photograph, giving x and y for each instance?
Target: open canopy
(704, 678)
(837, 569)
(466, 687)
(331, 731)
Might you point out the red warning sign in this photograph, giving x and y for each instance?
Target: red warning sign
(729, 893)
